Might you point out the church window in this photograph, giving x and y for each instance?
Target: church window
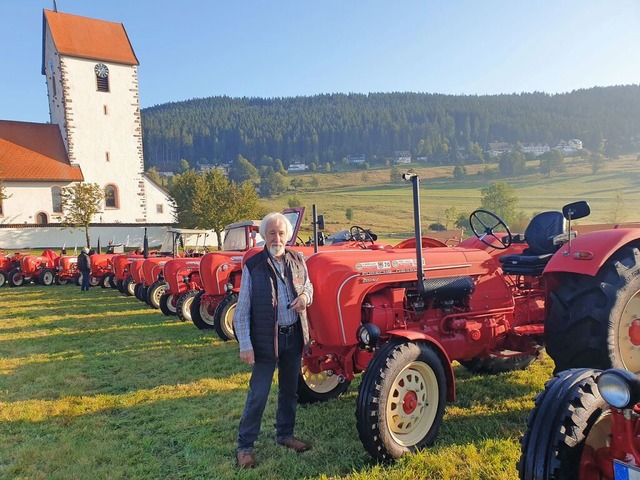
(42, 218)
(1, 213)
(105, 109)
(107, 157)
(159, 208)
(111, 196)
(56, 199)
(102, 77)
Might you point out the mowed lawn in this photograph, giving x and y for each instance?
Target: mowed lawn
(97, 385)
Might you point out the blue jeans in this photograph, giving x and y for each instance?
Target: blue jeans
(288, 362)
(85, 280)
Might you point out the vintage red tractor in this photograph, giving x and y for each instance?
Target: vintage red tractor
(101, 270)
(585, 426)
(8, 263)
(402, 315)
(182, 278)
(67, 269)
(40, 268)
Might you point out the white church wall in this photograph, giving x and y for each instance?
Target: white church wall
(26, 199)
(157, 206)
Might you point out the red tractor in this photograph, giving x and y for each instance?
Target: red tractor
(40, 268)
(585, 426)
(8, 263)
(401, 315)
(121, 269)
(101, 270)
(182, 278)
(67, 269)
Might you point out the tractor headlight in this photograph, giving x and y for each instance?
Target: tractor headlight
(619, 388)
(368, 334)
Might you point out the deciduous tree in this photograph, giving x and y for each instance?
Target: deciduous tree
(80, 202)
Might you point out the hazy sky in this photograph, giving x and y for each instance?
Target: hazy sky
(280, 48)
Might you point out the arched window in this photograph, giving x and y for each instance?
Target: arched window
(42, 217)
(56, 199)
(111, 197)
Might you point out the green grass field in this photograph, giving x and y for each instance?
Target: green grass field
(613, 194)
(97, 385)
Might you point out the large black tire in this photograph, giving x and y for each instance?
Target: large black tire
(223, 317)
(591, 322)
(154, 292)
(136, 292)
(61, 280)
(129, 287)
(46, 277)
(3, 279)
(94, 281)
(15, 278)
(319, 387)
(183, 309)
(200, 316)
(120, 286)
(561, 424)
(401, 400)
(493, 365)
(167, 304)
(107, 280)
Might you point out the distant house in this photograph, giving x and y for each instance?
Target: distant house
(402, 157)
(297, 167)
(570, 147)
(535, 148)
(498, 148)
(356, 159)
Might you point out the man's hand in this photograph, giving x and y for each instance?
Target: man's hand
(247, 357)
(299, 303)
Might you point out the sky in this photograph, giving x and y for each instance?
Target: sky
(284, 48)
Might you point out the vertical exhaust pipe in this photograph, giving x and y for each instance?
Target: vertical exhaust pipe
(415, 180)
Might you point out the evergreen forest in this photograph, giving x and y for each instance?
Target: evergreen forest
(439, 129)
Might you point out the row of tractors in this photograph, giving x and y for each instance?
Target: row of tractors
(402, 314)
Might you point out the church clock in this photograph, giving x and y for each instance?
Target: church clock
(101, 70)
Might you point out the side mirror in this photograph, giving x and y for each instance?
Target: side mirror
(320, 222)
(576, 210)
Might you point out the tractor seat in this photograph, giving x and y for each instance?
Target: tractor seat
(539, 235)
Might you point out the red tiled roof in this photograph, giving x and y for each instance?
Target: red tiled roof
(90, 38)
(34, 152)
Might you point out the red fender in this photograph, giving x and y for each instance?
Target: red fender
(415, 336)
(589, 252)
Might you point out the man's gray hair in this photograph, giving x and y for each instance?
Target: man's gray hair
(273, 216)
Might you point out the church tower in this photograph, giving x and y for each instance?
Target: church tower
(91, 73)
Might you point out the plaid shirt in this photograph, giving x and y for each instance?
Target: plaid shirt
(242, 315)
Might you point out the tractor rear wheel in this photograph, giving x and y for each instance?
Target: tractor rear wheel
(494, 364)
(46, 277)
(223, 317)
(15, 278)
(401, 400)
(593, 320)
(94, 281)
(120, 286)
(3, 279)
(568, 423)
(319, 387)
(167, 304)
(154, 292)
(183, 308)
(107, 280)
(129, 287)
(200, 315)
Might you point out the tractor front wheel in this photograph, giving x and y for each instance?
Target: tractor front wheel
(183, 308)
(129, 287)
(94, 281)
(401, 400)
(3, 279)
(223, 317)
(200, 315)
(154, 292)
(319, 387)
(593, 321)
(569, 423)
(46, 277)
(15, 278)
(167, 304)
(105, 281)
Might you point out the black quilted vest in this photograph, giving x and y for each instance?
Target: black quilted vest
(264, 297)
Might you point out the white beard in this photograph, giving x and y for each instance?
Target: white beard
(276, 250)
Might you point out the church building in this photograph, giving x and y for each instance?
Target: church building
(94, 134)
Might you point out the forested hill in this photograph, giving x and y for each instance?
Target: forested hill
(445, 129)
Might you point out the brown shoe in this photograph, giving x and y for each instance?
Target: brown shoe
(294, 444)
(245, 459)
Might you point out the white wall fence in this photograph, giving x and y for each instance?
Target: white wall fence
(54, 237)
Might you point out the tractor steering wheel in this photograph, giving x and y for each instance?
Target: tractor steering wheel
(490, 222)
(360, 235)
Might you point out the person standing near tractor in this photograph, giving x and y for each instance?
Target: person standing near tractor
(271, 326)
(84, 266)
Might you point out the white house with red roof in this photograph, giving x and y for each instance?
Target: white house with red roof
(95, 134)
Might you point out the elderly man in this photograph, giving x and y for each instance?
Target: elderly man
(271, 327)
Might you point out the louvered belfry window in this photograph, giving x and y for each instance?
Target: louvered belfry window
(103, 84)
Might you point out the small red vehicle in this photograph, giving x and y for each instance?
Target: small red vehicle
(182, 278)
(121, 269)
(402, 315)
(101, 270)
(585, 426)
(8, 263)
(67, 269)
(40, 268)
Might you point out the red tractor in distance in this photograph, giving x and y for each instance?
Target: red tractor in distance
(182, 278)
(101, 270)
(8, 263)
(493, 302)
(40, 268)
(67, 269)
